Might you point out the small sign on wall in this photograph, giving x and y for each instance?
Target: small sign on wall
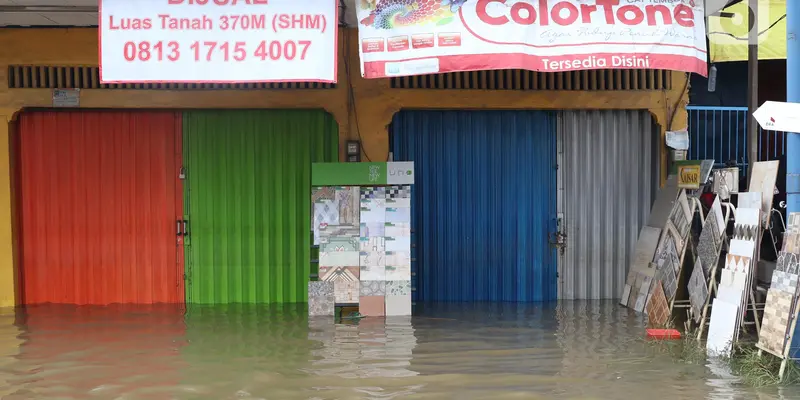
(66, 97)
(689, 176)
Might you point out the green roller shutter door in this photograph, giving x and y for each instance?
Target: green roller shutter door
(248, 202)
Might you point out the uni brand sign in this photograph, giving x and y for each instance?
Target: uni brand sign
(566, 13)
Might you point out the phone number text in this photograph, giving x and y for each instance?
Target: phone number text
(212, 51)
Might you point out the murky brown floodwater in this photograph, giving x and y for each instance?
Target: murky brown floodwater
(575, 350)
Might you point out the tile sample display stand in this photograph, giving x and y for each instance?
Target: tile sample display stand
(361, 223)
(788, 266)
(697, 209)
(711, 283)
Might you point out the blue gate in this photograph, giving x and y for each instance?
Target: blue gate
(483, 203)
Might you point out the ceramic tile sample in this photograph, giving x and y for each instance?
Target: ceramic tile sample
(784, 282)
(726, 180)
(644, 291)
(762, 179)
(739, 247)
(398, 214)
(681, 215)
(747, 216)
(668, 280)
(372, 288)
(377, 259)
(398, 192)
(788, 262)
(373, 273)
(398, 203)
(705, 170)
(398, 305)
(398, 229)
(349, 205)
(658, 307)
(338, 258)
(645, 250)
(373, 211)
(737, 263)
(372, 229)
(368, 192)
(398, 288)
(398, 272)
(630, 284)
(698, 291)
(326, 212)
(372, 244)
(322, 193)
(722, 328)
(339, 243)
(775, 324)
(626, 293)
(329, 231)
(320, 298)
(749, 200)
(398, 258)
(668, 256)
(345, 282)
(716, 209)
(372, 306)
(398, 244)
(707, 251)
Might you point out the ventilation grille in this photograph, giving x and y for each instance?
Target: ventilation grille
(515, 79)
(75, 77)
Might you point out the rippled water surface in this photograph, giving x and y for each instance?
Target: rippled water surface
(570, 350)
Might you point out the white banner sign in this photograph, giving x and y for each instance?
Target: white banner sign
(218, 40)
(411, 37)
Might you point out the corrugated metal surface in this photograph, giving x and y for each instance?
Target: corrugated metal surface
(99, 197)
(608, 170)
(249, 199)
(483, 203)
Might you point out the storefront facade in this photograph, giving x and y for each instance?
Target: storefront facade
(223, 157)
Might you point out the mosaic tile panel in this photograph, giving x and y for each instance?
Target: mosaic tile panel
(775, 323)
(788, 262)
(698, 291)
(398, 305)
(658, 307)
(375, 244)
(784, 281)
(339, 243)
(372, 306)
(398, 272)
(345, 282)
(372, 287)
(368, 192)
(349, 205)
(722, 328)
(398, 229)
(398, 192)
(320, 298)
(398, 288)
(372, 229)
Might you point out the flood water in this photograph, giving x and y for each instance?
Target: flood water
(569, 350)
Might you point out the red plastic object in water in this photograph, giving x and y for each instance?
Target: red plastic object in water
(663, 334)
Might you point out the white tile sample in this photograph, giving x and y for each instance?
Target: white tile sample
(722, 328)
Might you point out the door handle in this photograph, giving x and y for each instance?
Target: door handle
(178, 228)
(185, 228)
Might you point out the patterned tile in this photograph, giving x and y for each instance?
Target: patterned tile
(658, 307)
(722, 328)
(788, 262)
(775, 323)
(368, 192)
(326, 212)
(791, 242)
(726, 180)
(681, 215)
(705, 170)
(749, 200)
(367, 259)
(398, 215)
(373, 273)
(793, 226)
(340, 243)
(398, 192)
(746, 232)
(784, 281)
(372, 306)
(373, 229)
(373, 211)
(707, 249)
(398, 258)
(398, 244)
(372, 288)
(375, 244)
(398, 305)
(762, 179)
(398, 288)
(338, 258)
(747, 216)
(345, 282)
(320, 298)
(349, 205)
(398, 203)
(337, 231)
(698, 290)
(644, 291)
(667, 276)
(398, 272)
(397, 229)
(668, 255)
(737, 263)
(322, 193)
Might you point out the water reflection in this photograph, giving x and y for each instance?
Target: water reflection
(476, 351)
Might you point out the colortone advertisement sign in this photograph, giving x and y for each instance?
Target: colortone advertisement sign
(412, 37)
(218, 40)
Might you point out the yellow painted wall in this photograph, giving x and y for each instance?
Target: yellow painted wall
(375, 103)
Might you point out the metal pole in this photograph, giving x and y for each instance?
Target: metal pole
(752, 88)
(793, 139)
